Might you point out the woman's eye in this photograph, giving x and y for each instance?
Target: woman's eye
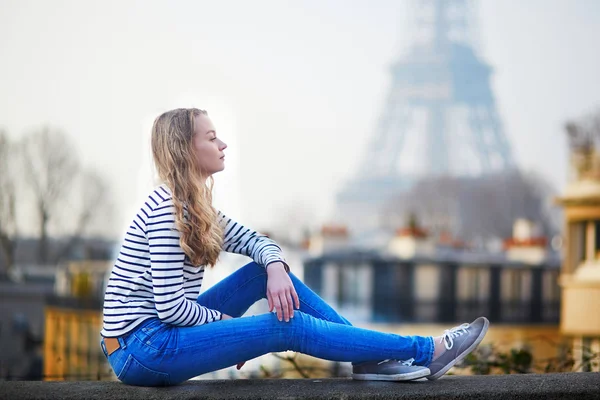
(213, 139)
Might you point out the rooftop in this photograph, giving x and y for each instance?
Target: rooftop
(530, 386)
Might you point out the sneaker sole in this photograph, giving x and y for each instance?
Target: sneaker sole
(422, 373)
(462, 355)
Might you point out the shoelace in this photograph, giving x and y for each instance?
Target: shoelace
(449, 334)
(407, 363)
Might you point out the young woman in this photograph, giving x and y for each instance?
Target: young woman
(159, 331)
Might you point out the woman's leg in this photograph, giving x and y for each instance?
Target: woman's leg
(185, 352)
(236, 293)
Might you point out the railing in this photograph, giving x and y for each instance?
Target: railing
(432, 291)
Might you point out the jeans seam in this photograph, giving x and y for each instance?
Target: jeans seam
(240, 287)
(315, 310)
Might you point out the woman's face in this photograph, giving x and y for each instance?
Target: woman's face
(208, 148)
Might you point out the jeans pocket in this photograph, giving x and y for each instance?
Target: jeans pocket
(134, 373)
(103, 347)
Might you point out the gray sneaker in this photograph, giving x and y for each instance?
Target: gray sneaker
(388, 370)
(459, 342)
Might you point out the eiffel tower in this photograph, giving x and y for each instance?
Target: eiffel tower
(439, 118)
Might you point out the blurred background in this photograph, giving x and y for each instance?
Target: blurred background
(422, 162)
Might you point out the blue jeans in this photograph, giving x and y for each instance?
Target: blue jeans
(159, 354)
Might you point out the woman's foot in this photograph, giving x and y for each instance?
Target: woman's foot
(457, 343)
(388, 370)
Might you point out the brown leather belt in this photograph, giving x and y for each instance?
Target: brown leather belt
(111, 344)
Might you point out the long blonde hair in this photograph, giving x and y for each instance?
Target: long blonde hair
(175, 161)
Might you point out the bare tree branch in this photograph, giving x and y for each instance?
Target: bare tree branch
(477, 208)
(51, 166)
(584, 141)
(66, 198)
(292, 360)
(584, 134)
(92, 191)
(8, 216)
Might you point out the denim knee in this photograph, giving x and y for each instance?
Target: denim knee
(254, 266)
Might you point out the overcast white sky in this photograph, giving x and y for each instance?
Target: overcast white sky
(294, 87)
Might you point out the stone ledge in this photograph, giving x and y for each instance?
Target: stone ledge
(505, 387)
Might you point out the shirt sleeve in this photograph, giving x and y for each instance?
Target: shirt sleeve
(166, 265)
(241, 240)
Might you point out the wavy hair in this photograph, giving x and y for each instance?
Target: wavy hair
(175, 161)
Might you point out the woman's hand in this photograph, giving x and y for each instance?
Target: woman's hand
(281, 293)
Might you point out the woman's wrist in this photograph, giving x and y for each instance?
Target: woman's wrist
(277, 265)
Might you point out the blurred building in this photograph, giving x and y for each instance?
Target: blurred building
(526, 245)
(424, 279)
(23, 296)
(382, 287)
(580, 274)
(410, 242)
(26, 291)
(73, 319)
(329, 238)
(27, 253)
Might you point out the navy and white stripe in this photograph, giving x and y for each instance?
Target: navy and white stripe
(152, 277)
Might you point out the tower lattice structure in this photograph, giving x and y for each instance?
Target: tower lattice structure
(439, 117)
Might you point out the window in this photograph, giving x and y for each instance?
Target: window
(473, 284)
(597, 244)
(582, 244)
(516, 285)
(550, 287)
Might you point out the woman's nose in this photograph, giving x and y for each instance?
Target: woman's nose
(223, 145)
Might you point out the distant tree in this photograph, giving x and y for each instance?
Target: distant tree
(433, 202)
(50, 163)
(584, 133)
(478, 208)
(92, 202)
(43, 171)
(490, 206)
(584, 140)
(65, 194)
(8, 199)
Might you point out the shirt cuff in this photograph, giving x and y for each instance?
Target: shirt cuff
(285, 265)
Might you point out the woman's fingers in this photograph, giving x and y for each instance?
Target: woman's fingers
(290, 301)
(284, 306)
(277, 302)
(296, 298)
(277, 306)
(270, 300)
(283, 301)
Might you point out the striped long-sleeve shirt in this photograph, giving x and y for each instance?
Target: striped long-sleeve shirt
(152, 277)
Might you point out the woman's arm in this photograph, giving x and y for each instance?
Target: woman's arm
(281, 293)
(241, 240)
(166, 264)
